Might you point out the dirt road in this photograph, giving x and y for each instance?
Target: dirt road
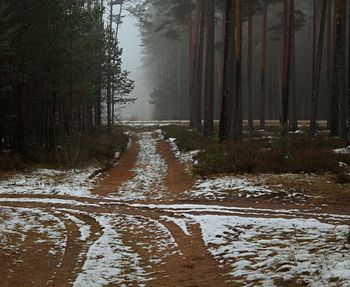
(141, 226)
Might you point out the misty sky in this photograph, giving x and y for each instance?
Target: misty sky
(130, 42)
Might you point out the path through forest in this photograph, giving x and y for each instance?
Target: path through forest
(142, 226)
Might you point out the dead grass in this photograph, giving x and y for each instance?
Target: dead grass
(78, 151)
(342, 178)
(294, 282)
(261, 153)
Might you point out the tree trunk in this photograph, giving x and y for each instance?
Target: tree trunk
(194, 89)
(199, 84)
(317, 70)
(20, 117)
(226, 122)
(263, 68)
(338, 125)
(250, 67)
(342, 72)
(329, 58)
(237, 109)
(287, 41)
(191, 63)
(209, 79)
(109, 71)
(293, 124)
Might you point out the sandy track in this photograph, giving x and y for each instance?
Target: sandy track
(139, 230)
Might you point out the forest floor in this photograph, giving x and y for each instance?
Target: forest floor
(148, 222)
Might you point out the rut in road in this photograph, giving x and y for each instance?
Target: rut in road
(141, 227)
(89, 242)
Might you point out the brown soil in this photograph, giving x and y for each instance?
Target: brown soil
(30, 263)
(195, 267)
(177, 180)
(119, 173)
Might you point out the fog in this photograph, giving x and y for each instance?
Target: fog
(130, 42)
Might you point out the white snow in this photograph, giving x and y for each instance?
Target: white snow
(186, 158)
(84, 229)
(180, 222)
(47, 201)
(108, 259)
(50, 182)
(259, 250)
(345, 150)
(222, 187)
(256, 245)
(149, 173)
(49, 229)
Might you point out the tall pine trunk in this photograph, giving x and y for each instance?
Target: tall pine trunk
(226, 123)
(250, 67)
(237, 109)
(263, 68)
(287, 45)
(209, 79)
(317, 69)
(338, 125)
(194, 86)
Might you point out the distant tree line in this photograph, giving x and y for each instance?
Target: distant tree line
(60, 71)
(231, 60)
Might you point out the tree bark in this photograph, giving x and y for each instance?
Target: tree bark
(237, 109)
(209, 79)
(226, 123)
(263, 68)
(194, 89)
(339, 112)
(287, 41)
(250, 68)
(317, 70)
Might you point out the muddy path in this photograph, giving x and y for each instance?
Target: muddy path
(140, 227)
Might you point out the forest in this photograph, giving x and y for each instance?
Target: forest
(61, 72)
(240, 178)
(249, 60)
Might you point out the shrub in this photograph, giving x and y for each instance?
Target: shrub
(10, 161)
(96, 148)
(261, 156)
(295, 153)
(187, 140)
(79, 151)
(342, 178)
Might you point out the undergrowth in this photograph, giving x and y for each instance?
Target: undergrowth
(81, 150)
(293, 282)
(295, 153)
(186, 139)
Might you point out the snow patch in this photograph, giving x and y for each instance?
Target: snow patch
(50, 182)
(260, 250)
(149, 173)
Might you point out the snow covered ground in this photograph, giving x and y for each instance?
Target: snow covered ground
(260, 250)
(257, 246)
(222, 187)
(149, 173)
(21, 224)
(345, 150)
(270, 245)
(50, 182)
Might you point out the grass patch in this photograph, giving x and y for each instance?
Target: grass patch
(296, 153)
(79, 151)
